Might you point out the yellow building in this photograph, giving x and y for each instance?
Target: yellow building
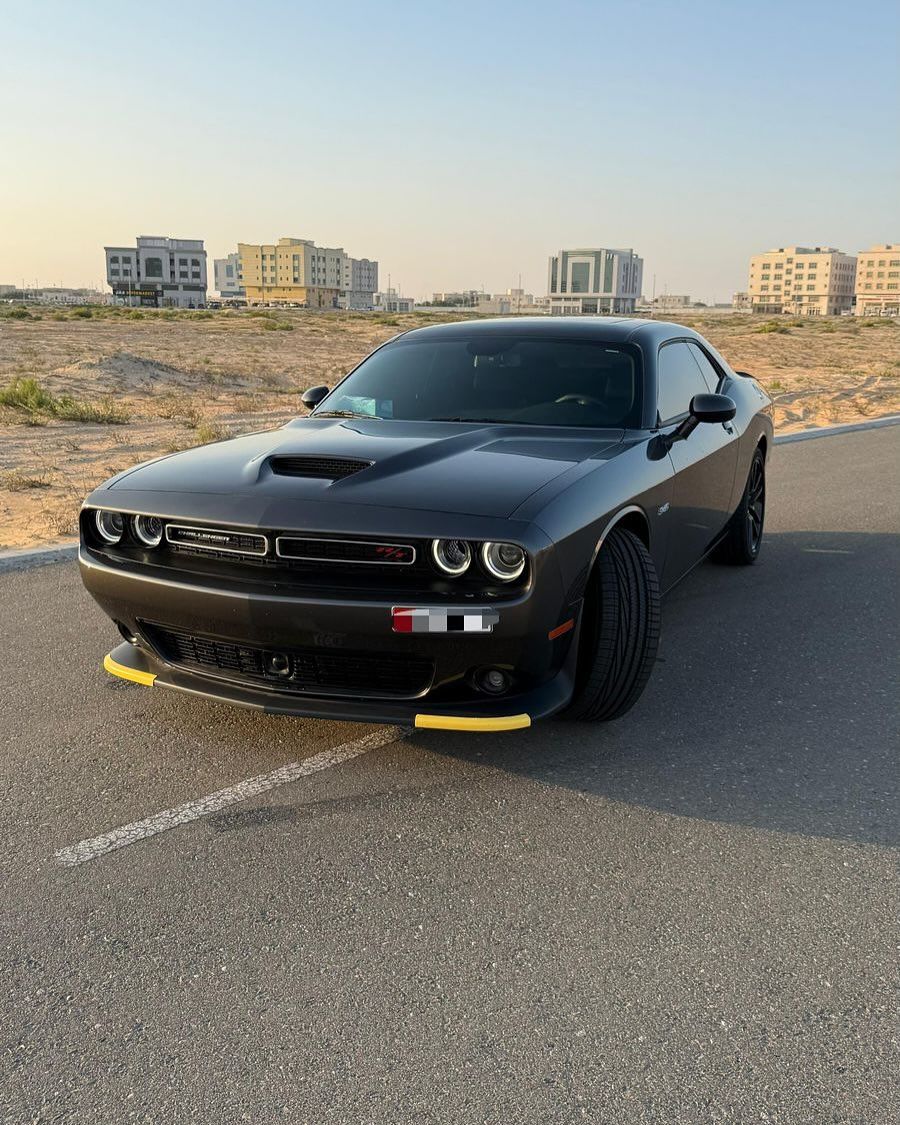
(293, 271)
(878, 281)
(802, 280)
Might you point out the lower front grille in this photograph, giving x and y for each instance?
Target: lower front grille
(305, 670)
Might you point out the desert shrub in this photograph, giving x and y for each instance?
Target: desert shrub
(772, 326)
(17, 480)
(26, 394)
(881, 322)
(105, 411)
(83, 312)
(211, 431)
(278, 326)
(16, 312)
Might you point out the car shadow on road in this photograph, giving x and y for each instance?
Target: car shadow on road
(773, 703)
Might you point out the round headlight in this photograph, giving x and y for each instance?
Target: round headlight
(505, 561)
(452, 556)
(110, 525)
(148, 530)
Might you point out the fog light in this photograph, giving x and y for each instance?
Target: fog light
(493, 680)
(278, 664)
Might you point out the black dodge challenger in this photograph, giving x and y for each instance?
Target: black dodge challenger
(471, 531)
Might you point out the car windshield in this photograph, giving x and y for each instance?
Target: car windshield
(523, 380)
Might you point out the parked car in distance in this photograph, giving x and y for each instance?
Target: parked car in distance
(471, 531)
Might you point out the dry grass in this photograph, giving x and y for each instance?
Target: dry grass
(98, 390)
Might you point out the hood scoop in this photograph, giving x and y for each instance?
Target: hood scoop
(325, 468)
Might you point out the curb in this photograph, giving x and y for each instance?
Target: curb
(24, 558)
(830, 431)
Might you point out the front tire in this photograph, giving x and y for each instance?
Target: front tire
(619, 631)
(743, 537)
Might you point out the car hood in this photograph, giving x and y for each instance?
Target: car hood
(479, 469)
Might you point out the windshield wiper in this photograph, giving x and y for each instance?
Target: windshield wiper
(495, 421)
(343, 414)
(499, 421)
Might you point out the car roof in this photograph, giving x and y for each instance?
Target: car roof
(606, 328)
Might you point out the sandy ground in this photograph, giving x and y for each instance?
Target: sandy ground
(186, 379)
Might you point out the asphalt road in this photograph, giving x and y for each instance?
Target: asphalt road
(688, 915)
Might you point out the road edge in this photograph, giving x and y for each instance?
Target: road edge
(841, 428)
(24, 558)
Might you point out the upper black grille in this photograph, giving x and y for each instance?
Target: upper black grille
(345, 550)
(216, 539)
(330, 468)
(304, 669)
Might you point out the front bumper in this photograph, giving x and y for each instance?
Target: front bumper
(542, 667)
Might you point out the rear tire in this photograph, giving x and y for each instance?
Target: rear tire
(743, 537)
(619, 631)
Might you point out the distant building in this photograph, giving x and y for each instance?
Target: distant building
(297, 271)
(458, 298)
(670, 301)
(878, 280)
(803, 281)
(227, 274)
(595, 280)
(363, 284)
(506, 304)
(740, 302)
(390, 301)
(62, 295)
(160, 272)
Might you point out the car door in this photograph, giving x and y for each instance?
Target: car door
(704, 464)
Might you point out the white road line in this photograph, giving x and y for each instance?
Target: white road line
(87, 850)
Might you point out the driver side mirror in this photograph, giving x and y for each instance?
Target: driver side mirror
(704, 408)
(313, 397)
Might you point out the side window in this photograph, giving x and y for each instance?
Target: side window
(679, 379)
(710, 374)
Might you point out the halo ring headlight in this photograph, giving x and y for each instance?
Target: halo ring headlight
(110, 525)
(148, 530)
(503, 561)
(452, 556)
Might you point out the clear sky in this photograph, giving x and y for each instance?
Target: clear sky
(460, 144)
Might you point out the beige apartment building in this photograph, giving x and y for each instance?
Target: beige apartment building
(294, 271)
(803, 281)
(878, 280)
